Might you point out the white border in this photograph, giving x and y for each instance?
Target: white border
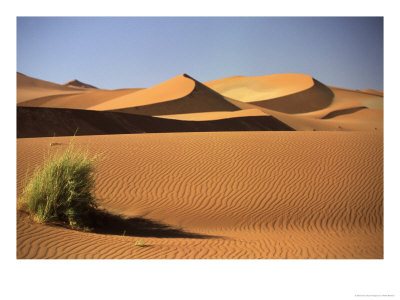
(200, 279)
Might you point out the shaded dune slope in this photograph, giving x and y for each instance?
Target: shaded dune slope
(257, 88)
(355, 120)
(288, 93)
(42, 122)
(315, 98)
(79, 84)
(263, 195)
(340, 112)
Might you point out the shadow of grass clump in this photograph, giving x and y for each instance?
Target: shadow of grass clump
(104, 222)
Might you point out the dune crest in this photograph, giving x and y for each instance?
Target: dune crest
(80, 84)
(29, 88)
(179, 95)
(174, 88)
(259, 88)
(287, 93)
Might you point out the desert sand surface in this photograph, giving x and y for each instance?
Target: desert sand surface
(223, 195)
(275, 166)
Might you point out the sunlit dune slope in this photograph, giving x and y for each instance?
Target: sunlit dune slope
(373, 92)
(77, 101)
(179, 95)
(29, 88)
(288, 93)
(234, 194)
(216, 115)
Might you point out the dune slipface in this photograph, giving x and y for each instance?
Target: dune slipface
(179, 95)
(288, 93)
(224, 195)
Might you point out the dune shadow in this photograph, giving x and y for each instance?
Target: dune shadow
(104, 222)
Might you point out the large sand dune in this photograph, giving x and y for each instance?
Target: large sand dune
(288, 93)
(224, 195)
(179, 95)
(297, 100)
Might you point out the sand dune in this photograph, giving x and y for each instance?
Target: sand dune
(259, 88)
(42, 122)
(29, 88)
(79, 84)
(373, 92)
(297, 100)
(196, 192)
(343, 101)
(235, 195)
(179, 95)
(77, 101)
(288, 93)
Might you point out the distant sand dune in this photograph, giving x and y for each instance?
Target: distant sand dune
(259, 194)
(79, 84)
(29, 88)
(288, 93)
(77, 101)
(297, 100)
(315, 98)
(259, 88)
(373, 92)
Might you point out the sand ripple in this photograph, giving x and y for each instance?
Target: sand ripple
(255, 194)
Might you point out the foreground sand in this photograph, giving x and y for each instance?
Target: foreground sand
(233, 194)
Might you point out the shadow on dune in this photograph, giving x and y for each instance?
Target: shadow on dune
(103, 222)
(107, 223)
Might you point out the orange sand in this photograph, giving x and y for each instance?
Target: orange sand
(239, 194)
(29, 88)
(314, 193)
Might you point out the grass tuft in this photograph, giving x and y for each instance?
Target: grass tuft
(140, 243)
(62, 189)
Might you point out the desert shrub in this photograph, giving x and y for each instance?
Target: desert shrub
(62, 189)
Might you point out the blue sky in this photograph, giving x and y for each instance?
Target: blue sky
(129, 52)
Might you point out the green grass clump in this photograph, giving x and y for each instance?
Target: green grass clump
(62, 189)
